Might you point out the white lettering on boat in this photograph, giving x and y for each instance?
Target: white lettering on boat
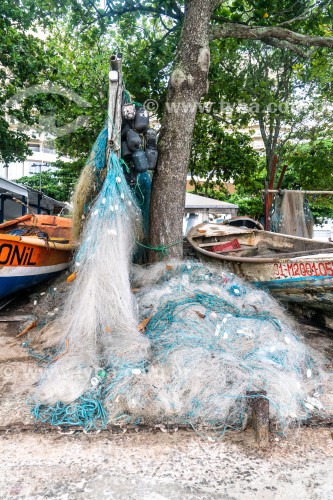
(303, 269)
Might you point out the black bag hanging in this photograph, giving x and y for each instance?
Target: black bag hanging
(151, 138)
(141, 122)
(152, 155)
(125, 127)
(133, 140)
(140, 161)
(126, 153)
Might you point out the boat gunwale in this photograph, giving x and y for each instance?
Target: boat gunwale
(33, 240)
(38, 242)
(253, 260)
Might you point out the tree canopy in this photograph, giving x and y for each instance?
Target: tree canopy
(218, 156)
(168, 47)
(21, 64)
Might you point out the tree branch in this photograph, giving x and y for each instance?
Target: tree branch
(235, 30)
(283, 44)
(137, 7)
(307, 14)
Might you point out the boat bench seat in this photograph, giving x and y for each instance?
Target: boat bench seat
(243, 250)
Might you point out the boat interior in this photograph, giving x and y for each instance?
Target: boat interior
(229, 241)
(47, 227)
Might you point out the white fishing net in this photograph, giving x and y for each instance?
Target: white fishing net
(291, 214)
(209, 339)
(184, 345)
(99, 315)
(213, 338)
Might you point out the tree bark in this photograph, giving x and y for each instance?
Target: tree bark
(269, 34)
(188, 83)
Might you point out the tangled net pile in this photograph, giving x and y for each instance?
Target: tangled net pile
(209, 340)
(184, 349)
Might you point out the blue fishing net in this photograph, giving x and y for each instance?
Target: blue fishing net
(185, 350)
(210, 346)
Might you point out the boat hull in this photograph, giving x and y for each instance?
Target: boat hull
(308, 283)
(304, 280)
(15, 279)
(29, 260)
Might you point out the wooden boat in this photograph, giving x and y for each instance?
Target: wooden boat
(293, 269)
(33, 249)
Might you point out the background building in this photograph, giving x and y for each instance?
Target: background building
(42, 156)
(16, 198)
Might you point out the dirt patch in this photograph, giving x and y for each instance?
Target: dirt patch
(166, 466)
(150, 465)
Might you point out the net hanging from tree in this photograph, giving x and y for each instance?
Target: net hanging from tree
(209, 338)
(291, 214)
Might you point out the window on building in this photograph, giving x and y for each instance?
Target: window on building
(47, 149)
(34, 147)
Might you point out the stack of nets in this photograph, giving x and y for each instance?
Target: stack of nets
(179, 344)
(209, 338)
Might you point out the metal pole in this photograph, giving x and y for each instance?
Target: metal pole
(39, 197)
(2, 207)
(266, 207)
(24, 203)
(296, 191)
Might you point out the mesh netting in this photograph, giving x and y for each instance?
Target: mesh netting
(209, 339)
(181, 343)
(291, 214)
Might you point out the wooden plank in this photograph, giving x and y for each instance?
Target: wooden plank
(297, 191)
(16, 318)
(259, 405)
(283, 255)
(115, 102)
(244, 246)
(218, 233)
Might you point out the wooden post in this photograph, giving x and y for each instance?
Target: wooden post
(115, 103)
(272, 181)
(298, 191)
(284, 168)
(267, 224)
(259, 405)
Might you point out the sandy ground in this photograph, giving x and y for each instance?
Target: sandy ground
(158, 466)
(149, 465)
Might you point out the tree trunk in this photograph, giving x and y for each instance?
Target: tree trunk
(188, 82)
(195, 184)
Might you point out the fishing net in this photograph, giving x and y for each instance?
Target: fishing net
(200, 340)
(100, 302)
(180, 343)
(89, 182)
(291, 214)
